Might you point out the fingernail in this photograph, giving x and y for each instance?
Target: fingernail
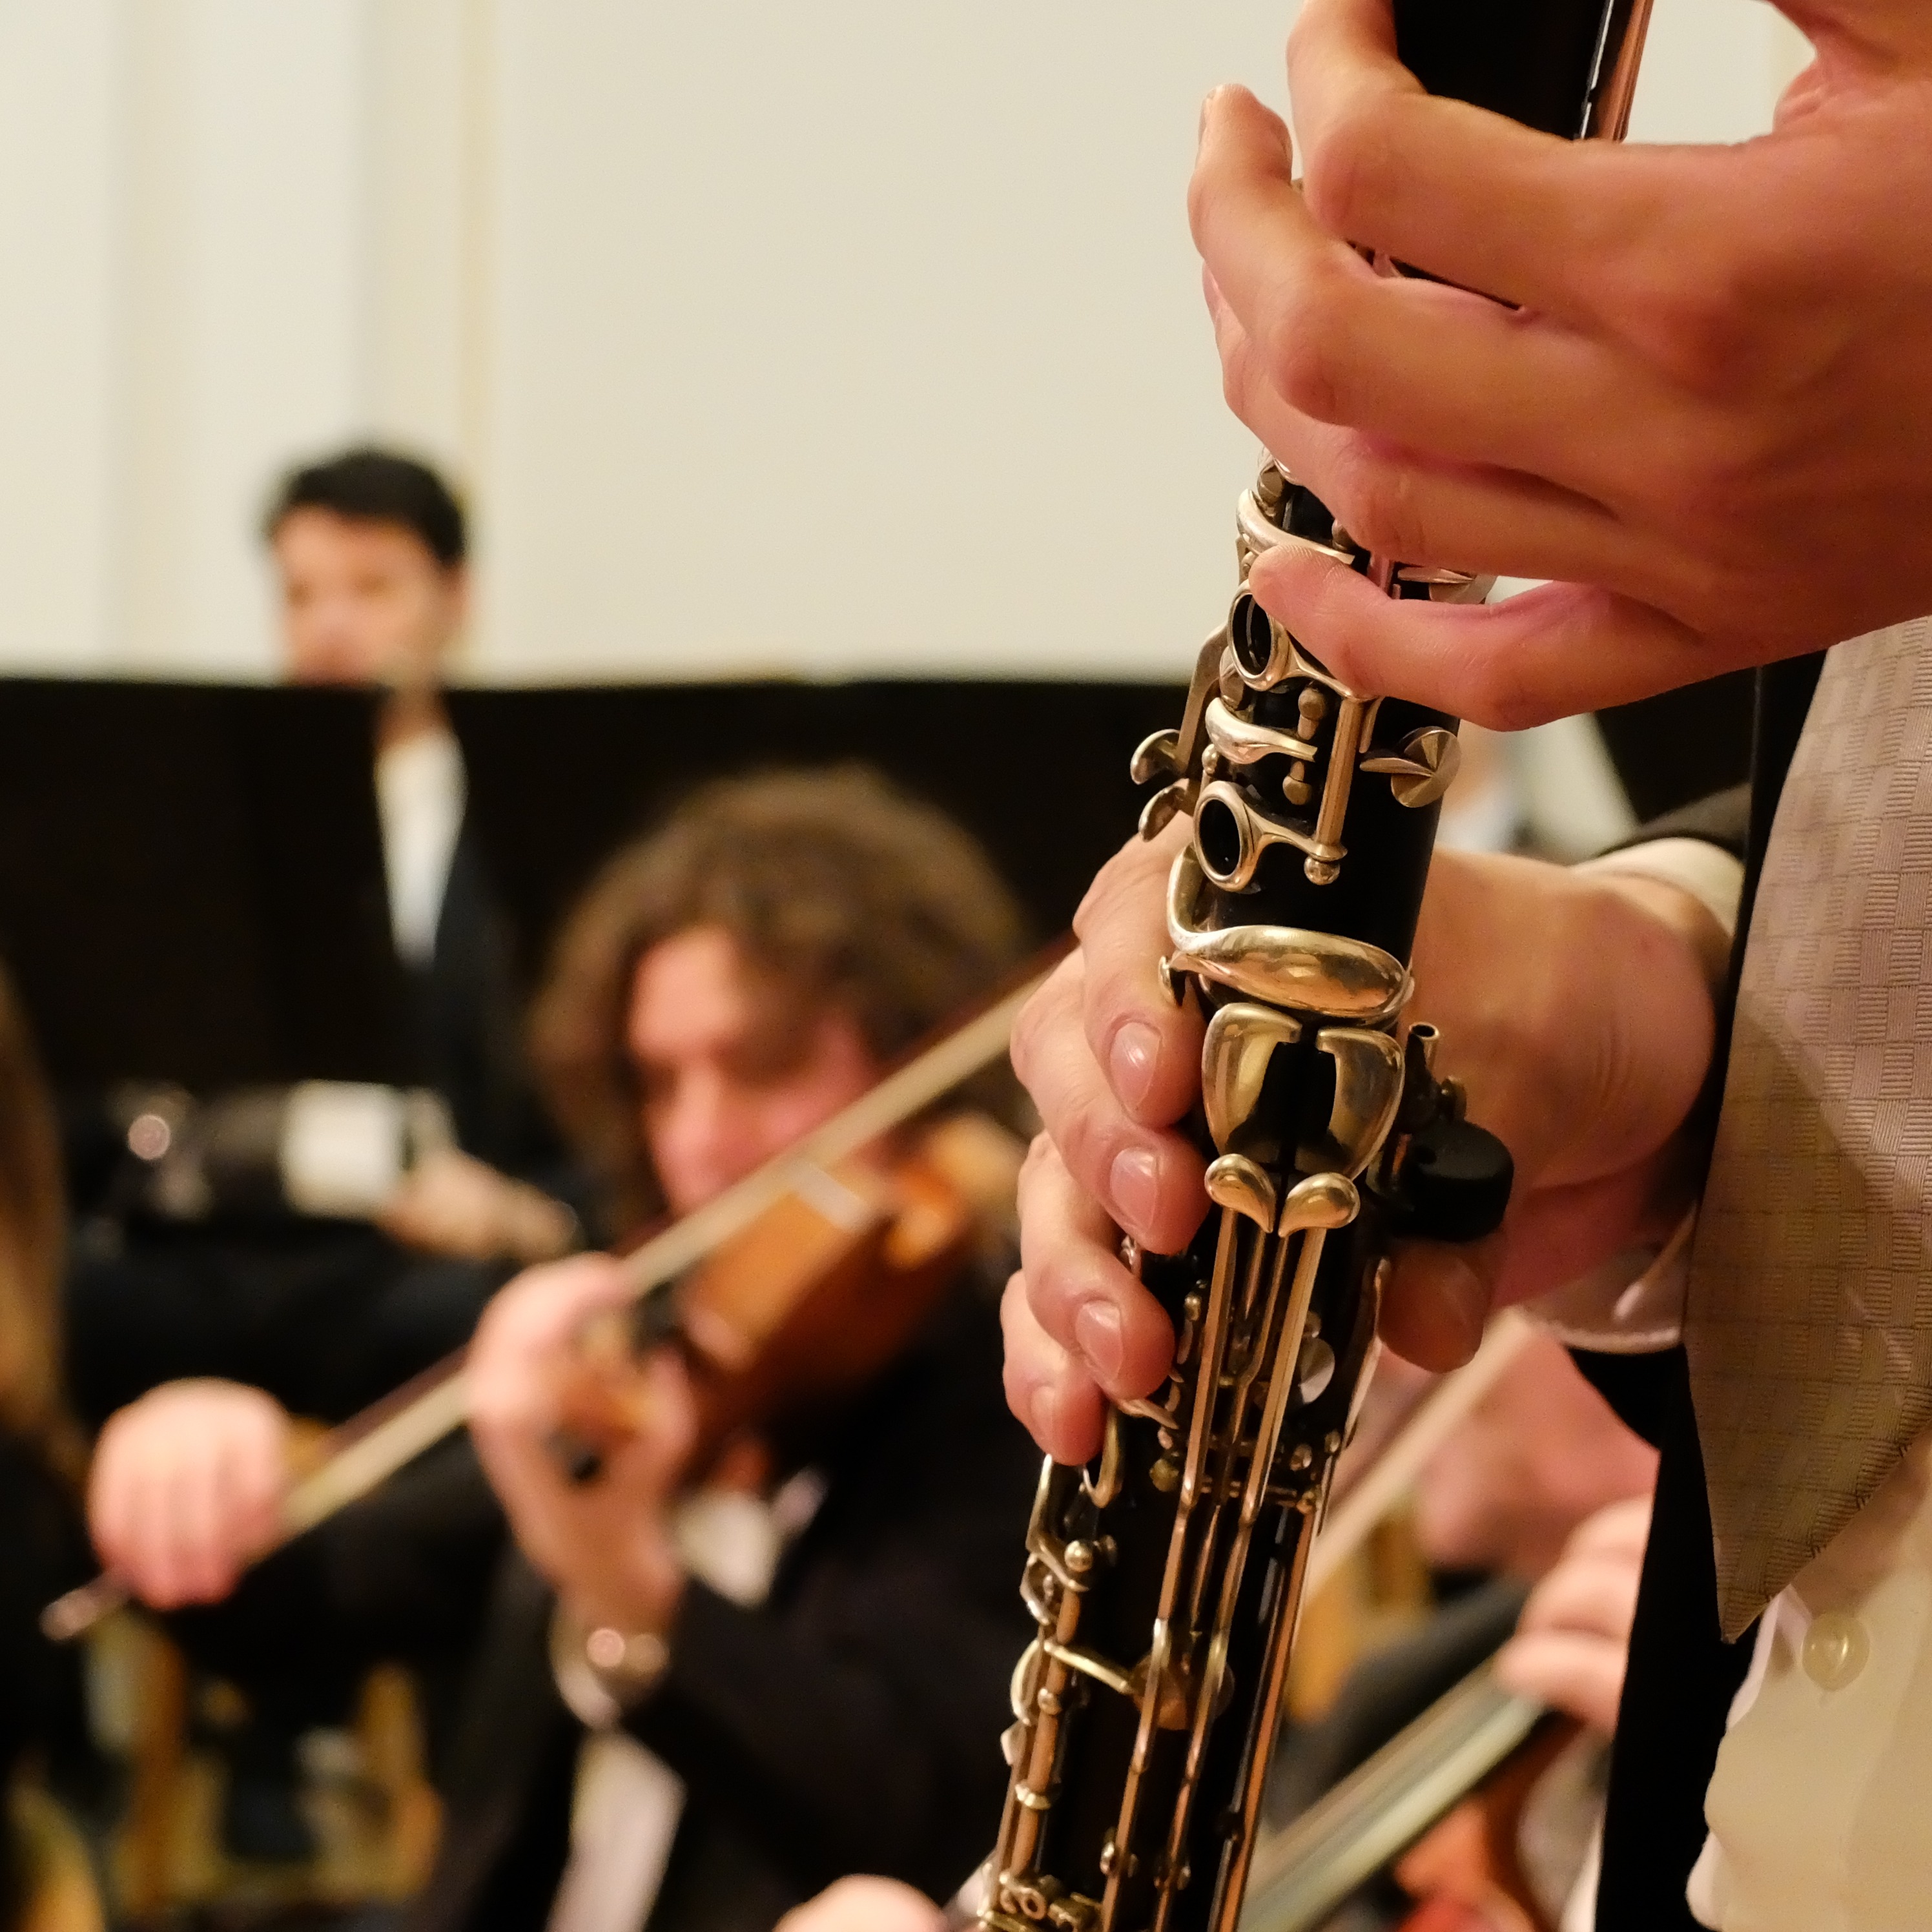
(1097, 1329)
(1132, 1062)
(1133, 1183)
(1470, 1294)
(1463, 1297)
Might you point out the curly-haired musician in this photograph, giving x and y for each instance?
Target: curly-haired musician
(726, 986)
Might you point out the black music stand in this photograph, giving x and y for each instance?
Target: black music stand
(192, 887)
(1037, 770)
(1681, 745)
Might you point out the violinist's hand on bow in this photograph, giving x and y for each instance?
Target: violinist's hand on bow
(1704, 414)
(451, 1203)
(1572, 1642)
(604, 1543)
(1576, 1006)
(186, 1489)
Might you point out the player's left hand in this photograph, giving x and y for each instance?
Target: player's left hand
(605, 1542)
(1700, 401)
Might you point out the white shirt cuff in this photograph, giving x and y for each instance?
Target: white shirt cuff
(344, 1147)
(1713, 878)
(1633, 1303)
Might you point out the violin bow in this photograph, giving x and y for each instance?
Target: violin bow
(1305, 1872)
(369, 1448)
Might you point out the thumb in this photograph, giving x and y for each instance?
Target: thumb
(1437, 1298)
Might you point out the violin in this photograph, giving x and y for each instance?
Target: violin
(1443, 1802)
(852, 1253)
(812, 1300)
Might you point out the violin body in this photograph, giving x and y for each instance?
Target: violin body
(806, 1304)
(1467, 1871)
(820, 1293)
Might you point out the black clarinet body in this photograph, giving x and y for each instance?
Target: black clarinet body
(1165, 1579)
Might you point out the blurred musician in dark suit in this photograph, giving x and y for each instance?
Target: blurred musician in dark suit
(371, 552)
(794, 1656)
(43, 1543)
(195, 1342)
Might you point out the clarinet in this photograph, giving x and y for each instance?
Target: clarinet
(1165, 1579)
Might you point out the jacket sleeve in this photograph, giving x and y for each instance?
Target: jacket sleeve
(852, 1723)
(1723, 819)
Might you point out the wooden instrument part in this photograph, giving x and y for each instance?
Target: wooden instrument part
(1444, 1797)
(818, 1295)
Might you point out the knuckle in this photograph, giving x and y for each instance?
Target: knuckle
(1712, 597)
(487, 1404)
(1041, 1171)
(1496, 686)
(1499, 697)
(1013, 1304)
(1019, 1389)
(1297, 35)
(1096, 901)
(1345, 172)
(1709, 330)
(1033, 1026)
(1018, 1377)
(1056, 1286)
(1113, 902)
(1235, 382)
(1202, 189)
(1300, 349)
(1087, 1142)
(1247, 384)
(1383, 509)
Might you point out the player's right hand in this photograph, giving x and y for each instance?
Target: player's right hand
(1576, 1006)
(187, 1489)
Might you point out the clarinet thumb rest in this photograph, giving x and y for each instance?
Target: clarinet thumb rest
(1453, 1183)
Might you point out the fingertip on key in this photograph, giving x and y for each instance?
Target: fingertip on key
(1063, 1424)
(1436, 1304)
(1133, 1185)
(1042, 1415)
(1098, 1330)
(1043, 1418)
(1133, 1064)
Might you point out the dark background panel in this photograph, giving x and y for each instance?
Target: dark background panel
(1037, 770)
(1681, 745)
(191, 884)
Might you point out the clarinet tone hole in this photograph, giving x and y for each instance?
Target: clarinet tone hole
(1218, 834)
(1261, 647)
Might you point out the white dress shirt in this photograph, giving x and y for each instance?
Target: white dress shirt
(1818, 1809)
(628, 1801)
(419, 797)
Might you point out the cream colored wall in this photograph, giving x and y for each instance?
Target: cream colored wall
(864, 336)
(59, 203)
